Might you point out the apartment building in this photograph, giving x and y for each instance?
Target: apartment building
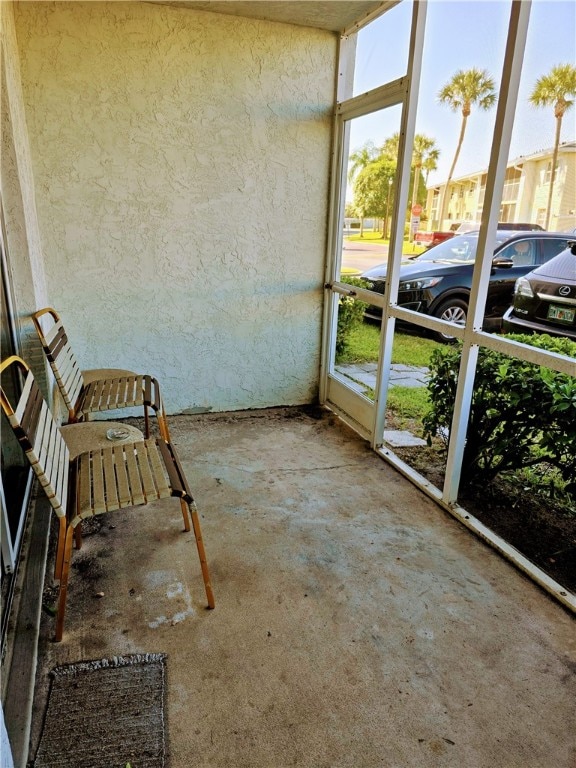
(525, 193)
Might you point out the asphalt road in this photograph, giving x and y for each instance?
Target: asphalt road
(362, 256)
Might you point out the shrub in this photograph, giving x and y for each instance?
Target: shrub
(521, 415)
(350, 313)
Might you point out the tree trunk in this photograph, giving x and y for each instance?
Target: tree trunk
(458, 148)
(553, 172)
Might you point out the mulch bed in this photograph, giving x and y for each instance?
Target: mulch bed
(541, 528)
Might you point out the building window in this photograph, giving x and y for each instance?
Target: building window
(548, 172)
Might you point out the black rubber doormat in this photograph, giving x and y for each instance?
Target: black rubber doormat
(106, 714)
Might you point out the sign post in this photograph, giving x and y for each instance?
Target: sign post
(415, 220)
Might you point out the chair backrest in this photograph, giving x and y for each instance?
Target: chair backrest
(39, 436)
(60, 355)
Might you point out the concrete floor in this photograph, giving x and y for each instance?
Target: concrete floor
(356, 624)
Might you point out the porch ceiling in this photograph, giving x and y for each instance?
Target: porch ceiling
(333, 15)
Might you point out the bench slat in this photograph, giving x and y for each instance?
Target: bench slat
(134, 475)
(110, 478)
(148, 483)
(124, 496)
(159, 468)
(84, 484)
(98, 495)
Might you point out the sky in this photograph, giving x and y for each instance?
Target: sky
(460, 35)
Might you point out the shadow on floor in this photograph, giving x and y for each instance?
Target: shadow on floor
(356, 624)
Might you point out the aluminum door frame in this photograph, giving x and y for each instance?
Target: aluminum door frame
(365, 415)
(10, 543)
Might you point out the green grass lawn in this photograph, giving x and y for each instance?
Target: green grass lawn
(409, 249)
(407, 405)
(364, 343)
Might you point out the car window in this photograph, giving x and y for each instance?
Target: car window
(460, 249)
(521, 252)
(552, 247)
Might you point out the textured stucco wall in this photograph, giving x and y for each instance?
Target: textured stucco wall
(23, 246)
(181, 163)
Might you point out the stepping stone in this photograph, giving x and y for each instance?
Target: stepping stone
(401, 438)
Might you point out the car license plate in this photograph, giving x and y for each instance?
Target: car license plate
(562, 314)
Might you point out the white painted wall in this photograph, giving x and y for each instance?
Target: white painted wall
(181, 164)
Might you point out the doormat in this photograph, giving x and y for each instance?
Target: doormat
(108, 713)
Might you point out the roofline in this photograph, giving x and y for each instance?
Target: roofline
(564, 146)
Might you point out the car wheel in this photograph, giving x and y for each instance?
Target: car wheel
(455, 311)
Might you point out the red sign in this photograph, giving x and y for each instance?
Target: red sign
(416, 209)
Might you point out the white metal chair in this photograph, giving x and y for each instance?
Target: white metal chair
(96, 481)
(119, 389)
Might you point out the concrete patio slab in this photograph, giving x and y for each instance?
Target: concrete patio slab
(356, 624)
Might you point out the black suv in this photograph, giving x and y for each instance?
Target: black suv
(438, 282)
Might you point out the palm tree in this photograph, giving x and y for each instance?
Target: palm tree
(391, 146)
(429, 164)
(466, 88)
(358, 160)
(424, 151)
(555, 89)
(424, 155)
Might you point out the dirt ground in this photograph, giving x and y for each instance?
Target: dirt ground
(542, 529)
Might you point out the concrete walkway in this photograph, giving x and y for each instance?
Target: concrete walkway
(356, 624)
(363, 375)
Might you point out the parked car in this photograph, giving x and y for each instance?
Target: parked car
(545, 298)
(434, 237)
(438, 282)
(519, 226)
(516, 226)
(430, 239)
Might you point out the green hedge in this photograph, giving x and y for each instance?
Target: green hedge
(522, 414)
(350, 313)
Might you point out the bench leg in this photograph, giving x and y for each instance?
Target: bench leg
(201, 553)
(185, 515)
(64, 584)
(60, 547)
